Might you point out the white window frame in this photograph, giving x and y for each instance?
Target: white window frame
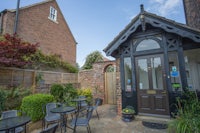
(53, 14)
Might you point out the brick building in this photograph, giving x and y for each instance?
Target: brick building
(45, 24)
(192, 13)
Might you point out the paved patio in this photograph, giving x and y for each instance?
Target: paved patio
(111, 123)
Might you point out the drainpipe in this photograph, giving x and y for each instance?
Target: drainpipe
(1, 22)
(184, 6)
(16, 17)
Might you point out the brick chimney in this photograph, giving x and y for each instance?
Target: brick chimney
(192, 13)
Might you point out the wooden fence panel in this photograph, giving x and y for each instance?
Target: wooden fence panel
(26, 78)
(5, 77)
(69, 77)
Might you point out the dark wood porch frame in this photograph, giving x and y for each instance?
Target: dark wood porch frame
(175, 37)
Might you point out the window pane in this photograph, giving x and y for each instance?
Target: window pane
(128, 74)
(143, 74)
(174, 72)
(147, 44)
(156, 70)
(53, 14)
(192, 66)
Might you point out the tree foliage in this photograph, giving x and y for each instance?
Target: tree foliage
(13, 49)
(93, 57)
(16, 53)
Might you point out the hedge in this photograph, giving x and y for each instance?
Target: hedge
(32, 105)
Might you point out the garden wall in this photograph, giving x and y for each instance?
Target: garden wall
(27, 78)
(94, 78)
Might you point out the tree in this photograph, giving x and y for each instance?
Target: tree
(93, 57)
(13, 50)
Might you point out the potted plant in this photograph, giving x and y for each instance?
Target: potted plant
(128, 114)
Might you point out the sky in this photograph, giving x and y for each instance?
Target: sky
(95, 23)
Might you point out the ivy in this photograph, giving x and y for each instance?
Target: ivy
(52, 61)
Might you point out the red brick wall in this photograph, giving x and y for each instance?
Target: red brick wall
(118, 85)
(192, 10)
(35, 26)
(94, 78)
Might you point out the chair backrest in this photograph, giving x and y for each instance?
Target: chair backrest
(89, 113)
(50, 129)
(8, 114)
(50, 106)
(98, 101)
(83, 103)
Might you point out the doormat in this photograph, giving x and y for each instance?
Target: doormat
(154, 125)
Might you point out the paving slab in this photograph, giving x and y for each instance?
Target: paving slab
(110, 122)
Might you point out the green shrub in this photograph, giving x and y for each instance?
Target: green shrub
(63, 93)
(32, 105)
(86, 92)
(14, 96)
(188, 115)
(57, 90)
(2, 100)
(69, 94)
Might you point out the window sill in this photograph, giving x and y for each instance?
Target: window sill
(53, 20)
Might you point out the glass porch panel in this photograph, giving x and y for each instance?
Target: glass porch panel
(156, 73)
(192, 66)
(174, 72)
(128, 74)
(143, 74)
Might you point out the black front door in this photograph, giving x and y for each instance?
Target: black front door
(151, 86)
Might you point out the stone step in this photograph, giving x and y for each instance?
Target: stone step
(153, 119)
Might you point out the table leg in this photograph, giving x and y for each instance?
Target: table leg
(63, 124)
(77, 115)
(25, 128)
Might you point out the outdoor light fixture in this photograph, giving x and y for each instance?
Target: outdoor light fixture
(142, 18)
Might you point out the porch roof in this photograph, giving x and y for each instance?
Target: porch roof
(144, 18)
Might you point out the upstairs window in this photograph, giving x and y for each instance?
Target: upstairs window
(53, 14)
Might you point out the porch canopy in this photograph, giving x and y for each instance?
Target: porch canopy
(144, 21)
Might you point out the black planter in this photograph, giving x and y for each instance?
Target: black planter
(127, 117)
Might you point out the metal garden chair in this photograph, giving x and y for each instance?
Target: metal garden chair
(97, 103)
(49, 116)
(83, 103)
(82, 121)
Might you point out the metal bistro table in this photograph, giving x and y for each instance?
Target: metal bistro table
(62, 111)
(79, 100)
(9, 124)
